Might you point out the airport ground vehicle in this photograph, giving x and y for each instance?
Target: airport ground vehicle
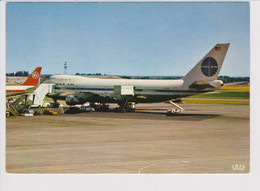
(10, 100)
(130, 106)
(86, 108)
(49, 112)
(46, 104)
(27, 113)
(7, 113)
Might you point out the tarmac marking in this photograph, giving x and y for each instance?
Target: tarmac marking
(139, 172)
(154, 164)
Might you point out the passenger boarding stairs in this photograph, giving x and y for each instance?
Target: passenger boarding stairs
(12, 110)
(37, 97)
(30, 99)
(18, 105)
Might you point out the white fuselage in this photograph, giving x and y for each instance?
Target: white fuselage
(144, 90)
(16, 89)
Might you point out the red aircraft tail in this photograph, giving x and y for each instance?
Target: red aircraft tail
(33, 79)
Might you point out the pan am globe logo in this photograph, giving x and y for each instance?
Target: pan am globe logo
(209, 66)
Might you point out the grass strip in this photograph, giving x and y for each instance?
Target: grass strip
(224, 95)
(236, 88)
(216, 102)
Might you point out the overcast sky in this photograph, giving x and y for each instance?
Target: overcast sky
(125, 38)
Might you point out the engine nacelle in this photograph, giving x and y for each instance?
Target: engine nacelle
(216, 84)
(73, 100)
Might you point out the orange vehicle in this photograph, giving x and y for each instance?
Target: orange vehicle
(50, 112)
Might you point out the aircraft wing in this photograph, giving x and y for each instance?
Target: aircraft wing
(30, 90)
(14, 94)
(82, 97)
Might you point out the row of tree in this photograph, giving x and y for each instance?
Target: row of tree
(89, 74)
(227, 79)
(19, 73)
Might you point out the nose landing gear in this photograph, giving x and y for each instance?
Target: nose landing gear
(177, 109)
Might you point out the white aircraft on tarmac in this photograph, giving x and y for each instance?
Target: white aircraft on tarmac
(202, 78)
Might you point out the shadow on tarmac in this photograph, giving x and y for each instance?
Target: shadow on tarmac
(156, 114)
(179, 116)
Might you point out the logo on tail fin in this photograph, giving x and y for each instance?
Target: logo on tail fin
(33, 79)
(209, 67)
(35, 75)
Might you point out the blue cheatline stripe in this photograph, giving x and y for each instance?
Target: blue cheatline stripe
(137, 90)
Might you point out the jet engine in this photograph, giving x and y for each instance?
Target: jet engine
(73, 100)
(216, 84)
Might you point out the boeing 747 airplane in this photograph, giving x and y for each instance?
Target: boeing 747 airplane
(202, 78)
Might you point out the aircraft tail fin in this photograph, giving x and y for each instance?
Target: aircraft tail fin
(209, 66)
(33, 79)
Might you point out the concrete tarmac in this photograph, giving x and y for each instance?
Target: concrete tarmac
(204, 139)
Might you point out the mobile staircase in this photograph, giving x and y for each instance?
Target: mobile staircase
(37, 97)
(18, 105)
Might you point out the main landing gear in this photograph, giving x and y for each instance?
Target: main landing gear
(124, 106)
